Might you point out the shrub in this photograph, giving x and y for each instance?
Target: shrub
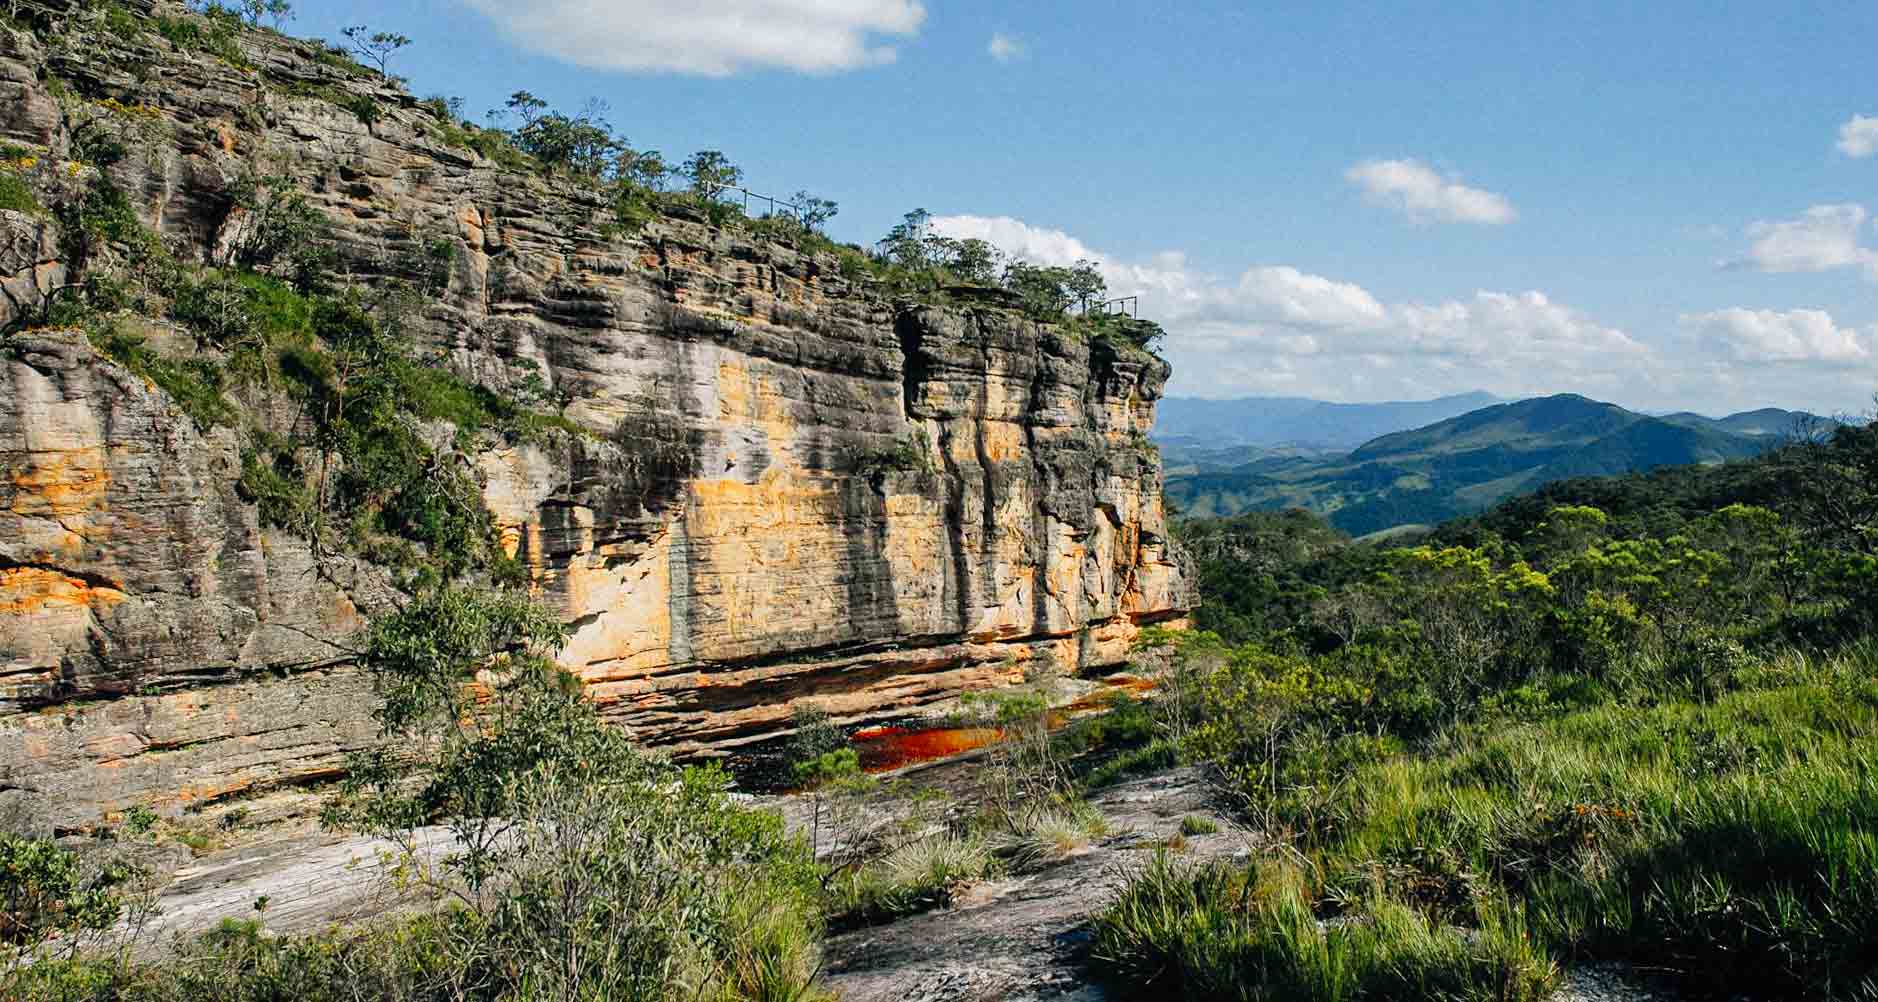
(921, 875)
(588, 869)
(16, 195)
(1194, 824)
(1046, 832)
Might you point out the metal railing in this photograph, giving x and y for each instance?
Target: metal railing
(1127, 306)
(744, 196)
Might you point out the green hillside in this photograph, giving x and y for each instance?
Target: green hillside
(1467, 463)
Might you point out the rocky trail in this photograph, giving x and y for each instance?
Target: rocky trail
(1016, 938)
(1021, 937)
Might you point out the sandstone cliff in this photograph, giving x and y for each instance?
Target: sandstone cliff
(725, 540)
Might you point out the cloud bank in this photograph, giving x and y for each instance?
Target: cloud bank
(713, 38)
(1280, 330)
(1766, 336)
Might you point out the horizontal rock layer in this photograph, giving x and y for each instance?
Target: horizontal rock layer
(727, 543)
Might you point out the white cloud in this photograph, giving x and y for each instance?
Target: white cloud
(1775, 336)
(1308, 300)
(1005, 48)
(1858, 137)
(1424, 196)
(1824, 238)
(1279, 329)
(709, 37)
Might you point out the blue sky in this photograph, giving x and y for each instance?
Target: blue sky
(1665, 204)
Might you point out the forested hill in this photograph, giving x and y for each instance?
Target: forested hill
(1464, 464)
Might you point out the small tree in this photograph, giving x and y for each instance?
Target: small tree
(522, 105)
(1085, 284)
(278, 12)
(976, 261)
(814, 211)
(51, 903)
(585, 868)
(909, 244)
(375, 47)
(1044, 290)
(641, 168)
(581, 144)
(711, 173)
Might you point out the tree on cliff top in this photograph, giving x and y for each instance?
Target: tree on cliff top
(711, 173)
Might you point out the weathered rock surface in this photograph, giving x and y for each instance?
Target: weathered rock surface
(1022, 938)
(723, 546)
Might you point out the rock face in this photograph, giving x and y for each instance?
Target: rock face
(795, 488)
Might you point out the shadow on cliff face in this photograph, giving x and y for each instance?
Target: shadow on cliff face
(656, 456)
(873, 603)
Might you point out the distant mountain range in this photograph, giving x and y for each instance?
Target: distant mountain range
(1295, 421)
(1457, 465)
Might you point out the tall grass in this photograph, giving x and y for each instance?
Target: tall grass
(1221, 932)
(915, 877)
(1731, 846)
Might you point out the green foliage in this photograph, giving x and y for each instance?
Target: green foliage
(909, 453)
(813, 211)
(588, 869)
(1730, 844)
(44, 892)
(100, 217)
(364, 107)
(1217, 932)
(274, 11)
(1194, 825)
(213, 30)
(196, 384)
(16, 195)
(818, 751)
(53, 905)
(121, 23)
(710, 173)
(1590, 730)
(919, 876)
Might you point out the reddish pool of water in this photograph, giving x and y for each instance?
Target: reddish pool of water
(883, 749)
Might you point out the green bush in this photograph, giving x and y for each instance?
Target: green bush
(16, 195)
(1194, 824)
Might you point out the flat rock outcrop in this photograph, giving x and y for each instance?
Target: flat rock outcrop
(792, 486)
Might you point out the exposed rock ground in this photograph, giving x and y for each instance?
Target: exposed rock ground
(1020, 938)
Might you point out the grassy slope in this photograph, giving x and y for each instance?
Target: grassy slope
(1732, 847)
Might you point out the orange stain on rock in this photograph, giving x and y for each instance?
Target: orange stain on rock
(28, 590)
(61, 484)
